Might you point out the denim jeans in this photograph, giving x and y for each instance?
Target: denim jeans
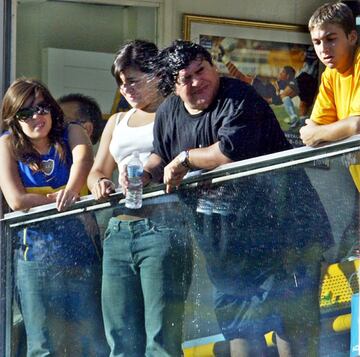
(290, 108)
(146, 276)
(61, 309)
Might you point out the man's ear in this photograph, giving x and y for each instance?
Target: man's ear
(353, 37)
(177, 90)
(89, 127)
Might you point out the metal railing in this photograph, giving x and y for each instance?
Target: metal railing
(225, 172)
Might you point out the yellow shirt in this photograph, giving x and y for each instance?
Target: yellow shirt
(339, 94)
(47, 189)
(339, 98)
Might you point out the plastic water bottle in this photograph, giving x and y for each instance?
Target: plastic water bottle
(133, 198)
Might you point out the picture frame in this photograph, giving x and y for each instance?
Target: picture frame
(257, 52)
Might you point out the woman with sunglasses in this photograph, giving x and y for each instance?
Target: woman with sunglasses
(147, 259)
(57, 260)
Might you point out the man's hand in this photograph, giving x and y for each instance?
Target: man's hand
(309, 133)
(276, 86)
(174, 173)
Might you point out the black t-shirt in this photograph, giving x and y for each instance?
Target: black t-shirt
(238, 118)
(265, 216)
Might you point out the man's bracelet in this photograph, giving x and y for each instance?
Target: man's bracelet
(102, 178)
(148, 177)
(148, 173)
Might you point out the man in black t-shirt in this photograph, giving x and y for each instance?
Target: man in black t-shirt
(207, 122)
(236, 124)
(210, 120)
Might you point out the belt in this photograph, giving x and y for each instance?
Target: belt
(155, 211)
(127, 217)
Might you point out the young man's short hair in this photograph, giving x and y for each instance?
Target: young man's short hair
(290, 71)
(88, 111)
(337, 14)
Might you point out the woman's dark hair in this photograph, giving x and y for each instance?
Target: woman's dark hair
(173, 59)
(139, 54)
(20, 91)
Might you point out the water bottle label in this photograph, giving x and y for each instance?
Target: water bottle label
(134, 171)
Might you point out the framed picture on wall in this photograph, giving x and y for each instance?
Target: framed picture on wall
(277, 59)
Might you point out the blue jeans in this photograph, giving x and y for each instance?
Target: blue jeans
(146, 276)
(61, 309)
(290, 108)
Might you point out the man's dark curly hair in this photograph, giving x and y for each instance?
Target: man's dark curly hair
(174, 58)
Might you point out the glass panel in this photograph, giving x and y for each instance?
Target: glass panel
(242, 254)
(274, 225)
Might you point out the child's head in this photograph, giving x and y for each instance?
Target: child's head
(287, 73)
(333, 34)
(336, 14)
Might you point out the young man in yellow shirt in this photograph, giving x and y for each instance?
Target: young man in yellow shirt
(336, 112)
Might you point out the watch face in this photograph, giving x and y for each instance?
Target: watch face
(183, 158)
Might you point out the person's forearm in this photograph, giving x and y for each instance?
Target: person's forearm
(28, 200)
(207, 158)
(78, 175)
(288, 92)
(153, 170)
(339, 130)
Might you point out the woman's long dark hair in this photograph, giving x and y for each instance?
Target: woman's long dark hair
(20, 91)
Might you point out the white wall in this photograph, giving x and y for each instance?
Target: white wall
(87, 27)
(73, 71)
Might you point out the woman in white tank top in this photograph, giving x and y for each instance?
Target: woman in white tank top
(147, 262)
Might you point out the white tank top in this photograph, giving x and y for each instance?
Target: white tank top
(125, 140)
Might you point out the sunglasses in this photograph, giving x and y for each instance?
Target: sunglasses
(27, 113)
